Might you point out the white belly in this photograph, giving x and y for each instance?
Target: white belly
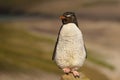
(70, 50)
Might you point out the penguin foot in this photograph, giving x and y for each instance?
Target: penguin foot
(66, 70)
(76, 74)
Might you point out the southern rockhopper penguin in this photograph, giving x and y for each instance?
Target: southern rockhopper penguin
(69, 52)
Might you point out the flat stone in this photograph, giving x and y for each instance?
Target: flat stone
(71, 77)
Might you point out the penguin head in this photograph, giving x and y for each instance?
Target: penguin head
(68, 17)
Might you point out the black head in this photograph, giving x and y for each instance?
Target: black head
(69, 17)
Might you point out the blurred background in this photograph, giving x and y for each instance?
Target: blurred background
(28, 32)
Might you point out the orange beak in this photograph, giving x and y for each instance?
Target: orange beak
(62, 17)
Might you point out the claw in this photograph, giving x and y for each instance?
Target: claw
(76, 74)
(66, 70)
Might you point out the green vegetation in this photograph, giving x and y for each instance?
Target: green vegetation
(93, 74)
(97, 60)
(22, 50)
(100, 62)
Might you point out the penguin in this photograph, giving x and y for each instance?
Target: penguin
(69, 52)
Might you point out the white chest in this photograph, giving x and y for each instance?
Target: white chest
(70, 48)
(70, 34)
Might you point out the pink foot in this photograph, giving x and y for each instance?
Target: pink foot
(76, 74)
(66, 70)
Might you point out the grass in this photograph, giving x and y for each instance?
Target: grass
(22, 51)
(93, 74)
(19, 49)
(96, 60)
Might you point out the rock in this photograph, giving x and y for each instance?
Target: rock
(71, 77)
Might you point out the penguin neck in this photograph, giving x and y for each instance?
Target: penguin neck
(70, 30)
(70, 24)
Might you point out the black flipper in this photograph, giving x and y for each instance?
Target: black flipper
(54, 52)
(85, 50)
(84, 44)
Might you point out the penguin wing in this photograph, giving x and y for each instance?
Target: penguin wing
(84, 44)
(85, 50)
(54, 52)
